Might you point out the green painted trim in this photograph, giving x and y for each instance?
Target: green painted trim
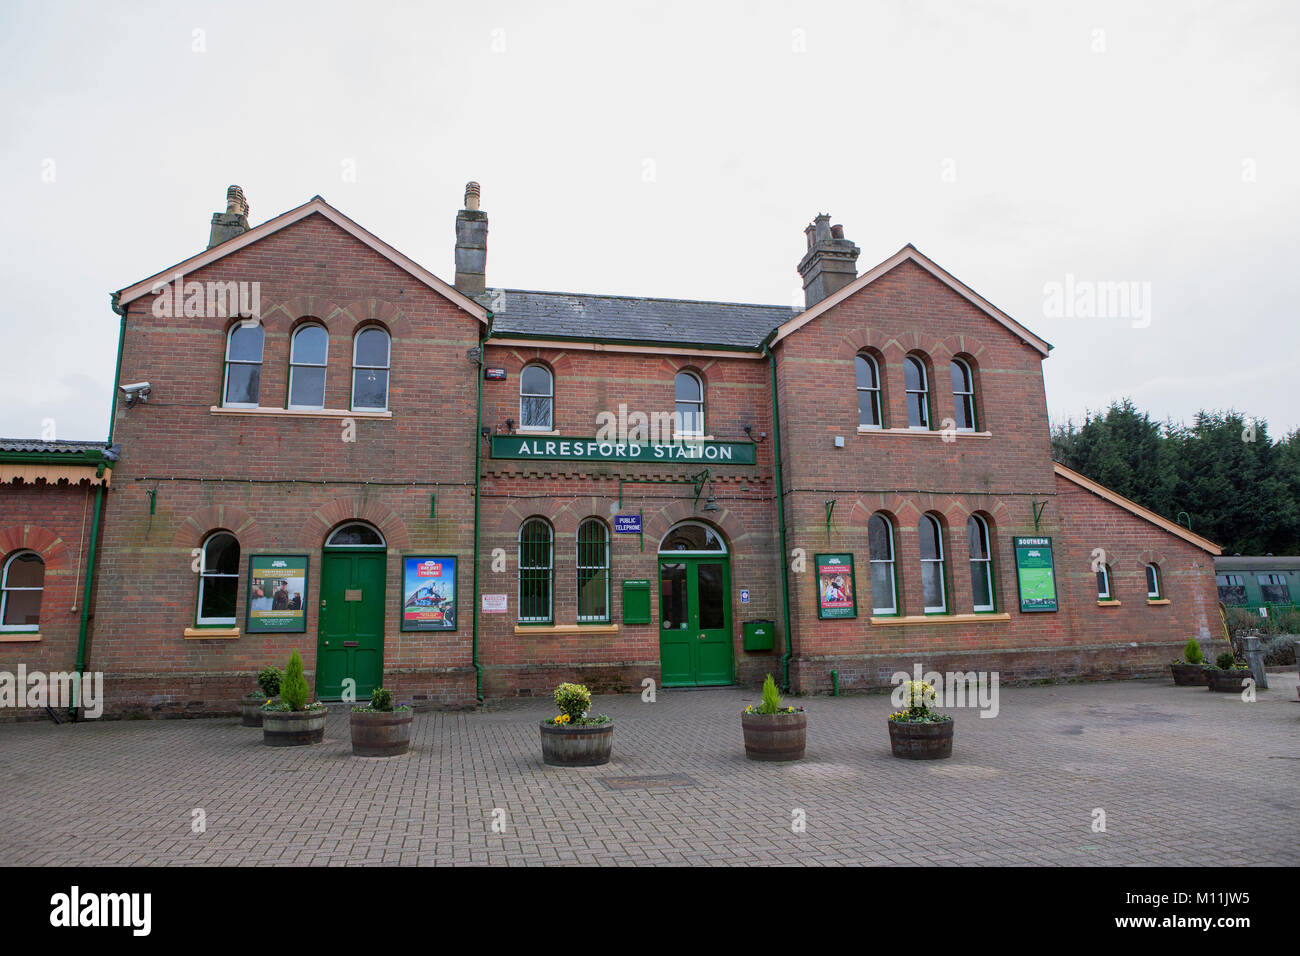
(478, 500)
(780, 518)
(90, 456)
(85, 598)
(117, 374)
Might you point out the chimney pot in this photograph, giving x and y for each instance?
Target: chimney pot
(471, 195)
(231, 223)
(471, 244)
(831, 262)
(837, 232)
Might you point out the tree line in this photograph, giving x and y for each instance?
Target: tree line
(1239, 487)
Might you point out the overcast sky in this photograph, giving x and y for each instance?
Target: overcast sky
(678, 150)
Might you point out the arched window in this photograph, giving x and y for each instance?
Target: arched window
(355, 534)
(308, 355)
(1103, 582)
(218, 580)
(868, 373)
(22, 584)
(536, 399)
(593, 572)
(243, 382)
(981, 563)
(917, 386)
(535, 577)
(694, 538)
(963, 396)
(930, 533)
(1154, 591)
(689, 392)
(370, 361)
(880, 549)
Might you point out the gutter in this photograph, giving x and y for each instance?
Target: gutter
(780, 520)
(484, 333)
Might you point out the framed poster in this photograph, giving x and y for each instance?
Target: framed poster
(837, 590)
(428, 592)
(1035, 574)
(277, 594)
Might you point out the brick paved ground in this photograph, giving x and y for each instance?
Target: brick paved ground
(1173, 768)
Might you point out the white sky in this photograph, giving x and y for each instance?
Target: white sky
(678, 150)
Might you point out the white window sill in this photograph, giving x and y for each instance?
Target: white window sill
(566, 628)
(982, 618)
(19, 637)
(876, 430)
(211, 633)
(299, 412)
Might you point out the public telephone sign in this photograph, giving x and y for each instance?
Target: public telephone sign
(627, 524)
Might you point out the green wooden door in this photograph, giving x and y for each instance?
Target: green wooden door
(695, 646)
(350, 632)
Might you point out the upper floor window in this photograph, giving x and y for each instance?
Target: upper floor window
(243, 380)
(1103, 582)
(370, 359)
(535, 579)
(218, 579)
(593, 571)
(1153, 583)
(1273, 589)
(917, 386)
(308, 355)
(880, 548)
(22, 583)
(933, 590)
(981, 563)
(536, 399)
(868, 373)
(1232, 588)
(963, 395)
(689, 391)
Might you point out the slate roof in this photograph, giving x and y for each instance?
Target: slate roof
(58, 447)
(614, 318)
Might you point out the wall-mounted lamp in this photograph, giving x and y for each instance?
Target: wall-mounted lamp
(749, 431)
(475, 354)
(510, 426)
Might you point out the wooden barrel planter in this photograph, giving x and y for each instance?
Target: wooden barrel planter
(922, 740)
(581, 746)
(381, 733)
(1226, 682)
(292, 728)
(775, 736)
(1188, 675)
(250, 711)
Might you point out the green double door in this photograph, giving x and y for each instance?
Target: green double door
(350, 629)
(695, 646)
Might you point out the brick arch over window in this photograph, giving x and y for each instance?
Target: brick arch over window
(658, 522)
(339, 318)
(563, 519)
(329, 516)
(1152, 556)
(32, 537)
(861, 340)
(960, 345)
(198, 525)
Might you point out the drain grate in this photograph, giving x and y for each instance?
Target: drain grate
(652, 782)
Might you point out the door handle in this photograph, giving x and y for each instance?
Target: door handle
(327, 643)
(701, 637)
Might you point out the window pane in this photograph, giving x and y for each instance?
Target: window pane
(370, 388)
(307, 387)
(1152, 580)
(981, 585)
(218, 598)
(355, 534)
(221, 555)
(712, 615)
(932, 584)
(535, 380)
(882, 587)
(866, 370)
(246, 343)
(310, 345)
(243, 382)
(22, 608)
(868, 414)
(690, 417)
(917, 412)
(535, 413)
(964, 408)
(687, 388)
(878, 543)
(1103, 585)
(535, 572)
(692, 537)
(1273, 589)
(976, 538)
(913, 374)
(372, 348)
(928, 532)
(26, 570)
(960, 377)
(673, 610)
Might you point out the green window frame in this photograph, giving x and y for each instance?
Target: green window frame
(593, 572)
(1155, 588)
(536, 572)
(933, 571)
(963, 396)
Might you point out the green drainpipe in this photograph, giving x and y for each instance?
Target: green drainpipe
(478, 497)
(117, 375)
(780, 520)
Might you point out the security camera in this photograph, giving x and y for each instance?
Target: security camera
(138, 392)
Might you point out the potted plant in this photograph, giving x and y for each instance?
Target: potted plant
(574, 737)
(918, 732)
(381, 730)
(1190, 671)
(772, 731)
(292, 720)
(1226, 678)
(250, 707)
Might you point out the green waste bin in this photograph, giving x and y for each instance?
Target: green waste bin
(759, 634)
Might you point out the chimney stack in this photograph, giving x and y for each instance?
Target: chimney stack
(831, 262)
(471, 244)
(233, 222)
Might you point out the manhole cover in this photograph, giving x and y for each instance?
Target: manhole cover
(651, 782)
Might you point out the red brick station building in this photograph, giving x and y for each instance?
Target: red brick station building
(468, 491)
